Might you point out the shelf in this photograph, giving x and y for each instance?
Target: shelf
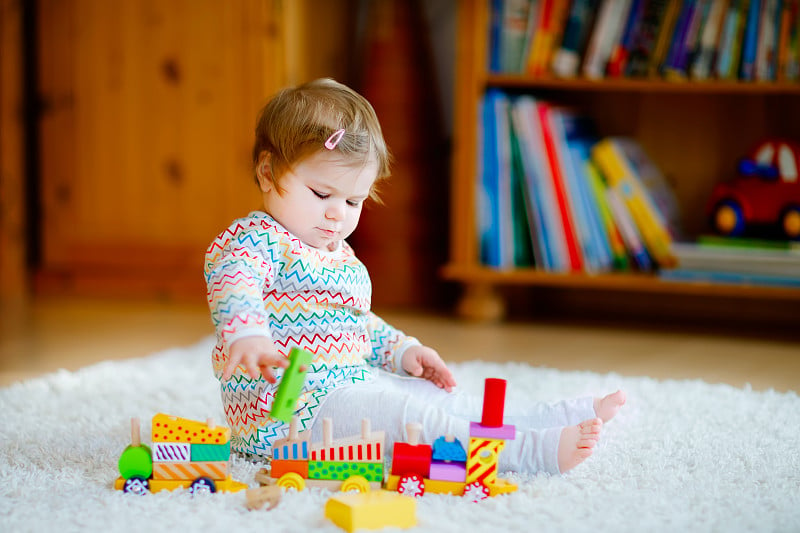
(631, 282)
(521, 81)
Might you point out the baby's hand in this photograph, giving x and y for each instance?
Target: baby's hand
(257, 354)
(424, 362)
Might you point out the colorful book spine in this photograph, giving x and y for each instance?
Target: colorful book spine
(665, 33)
(709, 41)
(644, 39)
(750, 43)
(562, 200)
(621, 50)
(622, 178)
(608, 227)
(567, 58)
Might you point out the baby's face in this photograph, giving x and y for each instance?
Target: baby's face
(320, 199)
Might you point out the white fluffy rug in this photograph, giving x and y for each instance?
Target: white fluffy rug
(682, 456)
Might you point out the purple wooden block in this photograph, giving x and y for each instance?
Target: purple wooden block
(446, 471)
(506, 432)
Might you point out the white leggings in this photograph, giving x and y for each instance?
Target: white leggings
(390, 402)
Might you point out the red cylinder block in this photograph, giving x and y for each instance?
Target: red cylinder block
(494, 400)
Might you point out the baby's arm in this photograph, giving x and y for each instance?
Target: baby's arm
(258, 356)
(396, 352)
(424, 362)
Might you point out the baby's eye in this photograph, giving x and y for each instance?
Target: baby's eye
(320, 195)
(354, 203)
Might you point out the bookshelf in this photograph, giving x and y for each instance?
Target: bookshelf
(694, 131)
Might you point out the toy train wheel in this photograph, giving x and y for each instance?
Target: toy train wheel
(292, 480)
(355, 484)
(790, 222)
(136, 485)
(476, 491)
(411, 485)
(728, 218)
(202, 485)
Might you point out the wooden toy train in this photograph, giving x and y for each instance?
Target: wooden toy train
(185, 454)
(357, 463)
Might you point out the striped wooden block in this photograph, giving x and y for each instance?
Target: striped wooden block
(293, 450)
(175, 471)
(363, 452)
(482, 456)
(211, 452)
(172, 452)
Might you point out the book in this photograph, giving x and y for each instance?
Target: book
(536, 53)
(488, 207)
(709, 41)
(573, 137)
(767, 44)
(747, 242)
(525, 119)
(621, 50)
(528, 240)
(667, 207)
(567, 59)
(736, 278)
(750, 43)
(606, 33)
(680, 37)
(645, 37)
(608, 228)
(628, 230)
(622, 178)
(514, 34)
(730, 41)
(664, 38)
(739, 259)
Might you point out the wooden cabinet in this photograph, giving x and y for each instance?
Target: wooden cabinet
(146, 129)
(694, 131)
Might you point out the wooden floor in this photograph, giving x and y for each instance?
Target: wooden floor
(48, 335)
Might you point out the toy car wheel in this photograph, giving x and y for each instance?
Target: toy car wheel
(476, 491)
(728, 218)
(202, 485)
(355, 484)
(411, 485)
(790, 222)
(292, 480)
(136, 485)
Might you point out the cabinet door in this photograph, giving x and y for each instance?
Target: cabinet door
(146, 128)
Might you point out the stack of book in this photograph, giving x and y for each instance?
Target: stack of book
(736, 260)
(675, 39)
(555, 197)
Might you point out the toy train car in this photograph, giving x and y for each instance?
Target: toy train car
(356, 463)
(185, 454)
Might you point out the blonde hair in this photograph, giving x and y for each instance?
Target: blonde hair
(297, 122)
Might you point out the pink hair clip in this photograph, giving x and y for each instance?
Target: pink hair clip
(334, 139)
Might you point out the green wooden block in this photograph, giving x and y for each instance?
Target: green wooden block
(341, 471)
(290, 386)
(211, 452)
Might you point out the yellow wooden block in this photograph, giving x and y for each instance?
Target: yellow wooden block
(371, 510)
(167, 428)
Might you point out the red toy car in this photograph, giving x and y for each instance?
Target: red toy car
(765, 193)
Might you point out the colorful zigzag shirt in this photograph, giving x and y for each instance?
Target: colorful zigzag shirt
(262, 280)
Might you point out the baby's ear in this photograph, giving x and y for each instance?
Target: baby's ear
(264, 172)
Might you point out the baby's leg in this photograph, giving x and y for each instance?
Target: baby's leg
(608, 406)
(577, 443)
(390, 408)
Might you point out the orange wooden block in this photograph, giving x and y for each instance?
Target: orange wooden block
(213, 470)
(284, 466)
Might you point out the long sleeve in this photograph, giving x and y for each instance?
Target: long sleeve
(388, 345)
(236, 272)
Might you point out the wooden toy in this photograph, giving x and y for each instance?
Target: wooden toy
(450, 470)
(765, 193)
(291, 384)
(185, 454)
(351, 463)
(371, 510)
(265, 497)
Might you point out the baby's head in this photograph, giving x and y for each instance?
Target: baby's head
(318, 155)
(299, 121)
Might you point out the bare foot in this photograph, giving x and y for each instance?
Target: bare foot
(577, 443)
(608, 406)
